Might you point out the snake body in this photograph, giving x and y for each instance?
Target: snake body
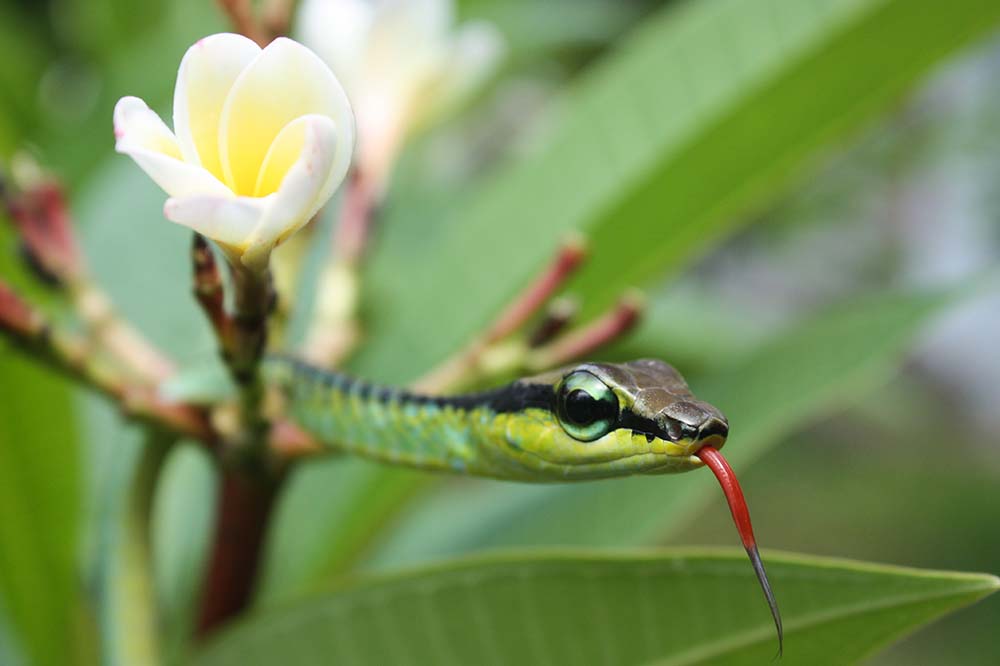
(589, 421)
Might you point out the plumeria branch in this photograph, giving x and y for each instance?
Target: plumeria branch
(246, 503)
(41, 217)
(76, 357)
(242, 335)
(208, 289)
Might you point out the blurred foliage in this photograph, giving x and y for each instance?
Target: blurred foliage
(685, 125)
(39, 513)
(684, 608)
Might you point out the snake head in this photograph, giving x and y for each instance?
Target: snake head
(610, 419)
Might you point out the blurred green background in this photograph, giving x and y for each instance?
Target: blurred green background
(815, 226)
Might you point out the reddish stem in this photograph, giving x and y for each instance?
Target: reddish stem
(243, 515)
(598, 333)
(530, 301)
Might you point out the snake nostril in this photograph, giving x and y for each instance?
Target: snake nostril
(712, 427)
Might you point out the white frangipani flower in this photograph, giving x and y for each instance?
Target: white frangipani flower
(402, 62)
(263, 139)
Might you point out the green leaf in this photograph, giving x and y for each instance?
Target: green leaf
(709, 109)
(830, 359)
(675, 607)
(39, 511)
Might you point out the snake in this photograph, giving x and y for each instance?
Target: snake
(576, 423)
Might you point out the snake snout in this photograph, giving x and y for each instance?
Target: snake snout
(693, 420)
(714, 426)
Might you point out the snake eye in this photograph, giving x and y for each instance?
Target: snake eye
(587, 408)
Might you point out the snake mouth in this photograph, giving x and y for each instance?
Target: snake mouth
(682, 455)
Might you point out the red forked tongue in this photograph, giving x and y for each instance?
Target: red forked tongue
(741, 516)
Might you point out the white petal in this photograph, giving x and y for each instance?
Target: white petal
(140, 134)
(229, 220)
(286, 81)
(204, 79)
(310, 182)
(338, 31)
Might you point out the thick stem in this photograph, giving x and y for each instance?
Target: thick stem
(253, 300)
(246, 503)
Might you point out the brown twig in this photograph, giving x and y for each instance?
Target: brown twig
(39, 212)
(42, 220)
(241, 15)
(570, 256)
(577, 344)
(558, 316)
(207, 287)
(75, 357)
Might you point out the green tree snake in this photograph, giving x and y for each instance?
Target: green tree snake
(588, 421)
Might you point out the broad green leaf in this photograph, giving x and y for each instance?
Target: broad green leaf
(39, 511)
(708, 109)
(671, 607)
(828, 360)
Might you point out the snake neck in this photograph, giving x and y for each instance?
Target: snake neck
(457, 433)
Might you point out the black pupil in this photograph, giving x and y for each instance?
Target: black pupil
(583, 409)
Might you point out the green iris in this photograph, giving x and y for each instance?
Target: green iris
(586, 407)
